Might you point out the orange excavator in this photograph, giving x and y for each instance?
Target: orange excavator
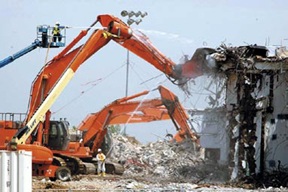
(123, 111)
(57, 73)
(78, 155)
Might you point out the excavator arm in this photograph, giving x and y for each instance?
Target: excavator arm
(140, 45)
(178, 115)
(124, 110)
(57, 73)
(137, 116)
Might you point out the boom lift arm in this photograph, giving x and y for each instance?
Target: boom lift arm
(44, 40)
(20, 53)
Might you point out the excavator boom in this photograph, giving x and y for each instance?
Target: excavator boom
(123, 35)
(149, 114)
(96, 124)
(56, 74)
(124, 111)
(140, 45)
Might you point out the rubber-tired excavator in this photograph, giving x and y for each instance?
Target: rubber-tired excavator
(56, 74)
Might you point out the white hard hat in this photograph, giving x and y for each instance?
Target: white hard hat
(57, 23)
(99, 150)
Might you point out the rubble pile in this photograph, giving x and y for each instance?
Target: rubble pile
(165, 159)
(158, 166)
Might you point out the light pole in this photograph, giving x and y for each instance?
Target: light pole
(130, 21)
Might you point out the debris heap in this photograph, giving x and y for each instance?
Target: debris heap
(166, 160)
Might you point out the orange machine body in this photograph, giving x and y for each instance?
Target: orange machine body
(62, 68)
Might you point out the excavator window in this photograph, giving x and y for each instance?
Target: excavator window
(53, 131)
(58, 135)
(61, 130)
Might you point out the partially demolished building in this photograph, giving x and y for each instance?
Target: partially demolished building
(252, 136)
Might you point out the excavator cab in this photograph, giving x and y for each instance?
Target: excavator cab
(59, 136)
(45, 36)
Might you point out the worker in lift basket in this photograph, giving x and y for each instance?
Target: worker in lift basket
(56, 32)
(101, 162)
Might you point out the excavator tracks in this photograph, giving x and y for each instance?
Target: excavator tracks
(89, 168)
(112, 168)
(59, 161)
(75, 164)
(115, 168)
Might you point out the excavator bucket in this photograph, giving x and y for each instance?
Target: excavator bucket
(200, 64)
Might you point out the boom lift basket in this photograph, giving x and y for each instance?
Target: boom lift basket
(45, 36)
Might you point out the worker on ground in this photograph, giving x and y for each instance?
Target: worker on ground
(56, 32)
(101, 162)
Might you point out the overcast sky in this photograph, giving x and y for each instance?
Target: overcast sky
(175, 27)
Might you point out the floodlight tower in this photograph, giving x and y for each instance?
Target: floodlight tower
(131, 21)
